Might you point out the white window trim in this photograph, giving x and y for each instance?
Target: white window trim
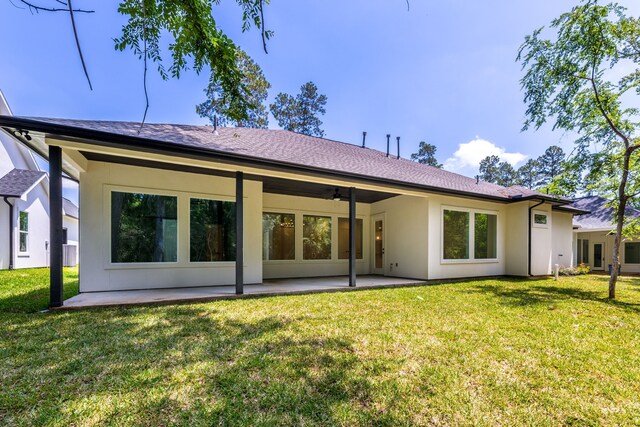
(295, 236)
(624, 253)
(204, 263)
(472, 242)
(539, 212)
(109, 264)
(22, 253)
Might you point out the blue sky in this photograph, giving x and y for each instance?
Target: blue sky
(444, 72)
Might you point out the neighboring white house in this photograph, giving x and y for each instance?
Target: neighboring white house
(594, 234)
(24, 206)
(159, 209)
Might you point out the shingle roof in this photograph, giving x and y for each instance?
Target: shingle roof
(18, 181)
(601, 216)
(70, 209)
(297, 149)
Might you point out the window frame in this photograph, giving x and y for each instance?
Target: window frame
(109, 264)
(361, 238)
(295, 235)
(540, 212)
(22, 232)
(624, 258)
(212, 198)
(472, 228)
(332, 244)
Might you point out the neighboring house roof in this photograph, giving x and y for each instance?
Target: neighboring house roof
(600, 215)
(18, 182)
(69, 208)
(278, 148)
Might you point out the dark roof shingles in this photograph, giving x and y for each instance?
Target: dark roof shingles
(601, 216)
(18, 181)
(298, 149)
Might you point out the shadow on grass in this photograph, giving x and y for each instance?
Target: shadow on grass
(35, 299)
(179, 365)
(534, 294)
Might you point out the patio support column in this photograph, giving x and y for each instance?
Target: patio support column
(55, 227)
(352, 236)
(239, 233)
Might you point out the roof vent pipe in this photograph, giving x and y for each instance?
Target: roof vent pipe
(398, 141)
(477, 179)
(364, 137)
(388, 137)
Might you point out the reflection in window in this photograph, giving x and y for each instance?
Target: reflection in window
(143, 228)
(316, 237)
(212, 230)
(632, 253)
(279, 234)
(486, 235)
(343, 238)
(455, 235)
(24, 231)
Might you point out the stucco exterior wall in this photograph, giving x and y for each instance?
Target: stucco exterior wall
(516, 238)
(407, 235)
(562, 239)
(96, 271)
(37, 205)
(299, 206)
(541, 242)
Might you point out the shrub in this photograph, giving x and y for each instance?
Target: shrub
(575, 271)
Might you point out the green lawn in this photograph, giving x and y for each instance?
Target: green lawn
(485, 352)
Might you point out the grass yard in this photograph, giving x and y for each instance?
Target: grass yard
(484, 352)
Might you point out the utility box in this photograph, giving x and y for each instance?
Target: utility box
(70, 255)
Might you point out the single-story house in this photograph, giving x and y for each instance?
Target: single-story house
(594, 233)
(165, 206)
(24, 207)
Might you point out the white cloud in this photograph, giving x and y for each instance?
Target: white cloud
(471, 153)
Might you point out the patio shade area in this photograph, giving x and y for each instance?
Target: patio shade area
(268, 288)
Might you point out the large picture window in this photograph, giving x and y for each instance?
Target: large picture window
(212, 230)
(316, 237)
(632, 253)
(455, 233)
(24, 232)
(143, 228)
(343, 238)
(279, 241)
(469, 235)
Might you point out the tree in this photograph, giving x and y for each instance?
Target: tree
(426, 155)
(300, 114)
(507, 175)
(192, 35)
(570, 79)
(218, 103)
(550, 164)
(528, 175)
(489, 168)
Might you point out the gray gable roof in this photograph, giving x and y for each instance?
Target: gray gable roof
(19, 181)
(290, 148)
(601, 216)
(70, 209)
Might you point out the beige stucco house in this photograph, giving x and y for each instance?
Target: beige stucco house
(169, 206)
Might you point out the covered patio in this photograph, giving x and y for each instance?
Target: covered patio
(267, 288)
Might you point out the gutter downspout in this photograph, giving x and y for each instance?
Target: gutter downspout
(6, 200)
(530, 227)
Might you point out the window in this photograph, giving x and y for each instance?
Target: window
(585, 251)
(632, 253)
(316, 237)
(579, 252)
(463, 230)
(540, 219)
(343, 238)
(455, 233)
(65, 236)
(212, 226)
(485, 236)
(24, 231)
(143, 228)
(279, 231)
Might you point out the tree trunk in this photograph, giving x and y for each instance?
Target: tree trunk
(622, 205)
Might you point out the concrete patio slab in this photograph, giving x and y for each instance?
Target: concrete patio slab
(268, 288)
